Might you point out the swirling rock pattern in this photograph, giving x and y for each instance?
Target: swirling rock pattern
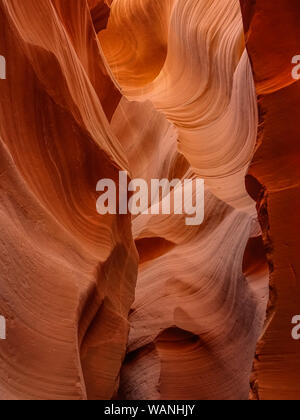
(190, 290)
(67, 275)
(144, 307)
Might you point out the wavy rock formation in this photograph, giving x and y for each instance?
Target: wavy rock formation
(67, 275)
(202, 100)
(146, 307)
(192, 298)
(274, 182)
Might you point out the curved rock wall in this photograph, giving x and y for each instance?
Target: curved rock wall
(146, 307)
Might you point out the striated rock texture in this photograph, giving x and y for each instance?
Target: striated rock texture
(67, 275)
(274, 182)
(190, 110)
(145, 307)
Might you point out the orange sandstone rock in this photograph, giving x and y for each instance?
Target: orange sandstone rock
(67, 275)
(102, 307)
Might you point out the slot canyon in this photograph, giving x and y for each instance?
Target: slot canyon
(146, 307)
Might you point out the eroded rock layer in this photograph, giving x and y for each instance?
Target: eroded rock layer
(274, 182)
(196, 317)
(146, 306)
(67, 275)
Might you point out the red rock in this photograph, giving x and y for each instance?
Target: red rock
(272, 35)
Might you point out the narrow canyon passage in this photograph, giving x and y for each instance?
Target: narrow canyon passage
(144, 306)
